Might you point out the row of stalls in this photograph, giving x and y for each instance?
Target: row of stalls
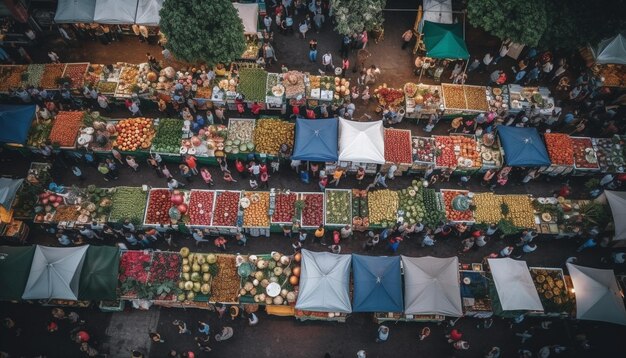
(309, 285)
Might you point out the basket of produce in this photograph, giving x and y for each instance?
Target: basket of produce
(66, 128)
(240, 136)
(411, 203)
(257, 213)
(128, 203)
(168, 135)
(252, 83)
(293, 81)
(133, 134)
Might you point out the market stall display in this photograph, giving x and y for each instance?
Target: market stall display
(128, 80)
(458, 151)
(208, 143)
(33, 75)
(360, 210)
(65, 128)
(411, 203)
(164, 273)
(422, 98)
(76, 73)
(168, 135)
(524, 97)
(389, 97)
(519, 210)
(475, 293)
(490, 153)
(433, 208)
(584, 155)
(560, 148)
(11, 77)
(269, 279)
(423, 151)
(92, 75)
(453, 96)
(313, 211)
(342, 89)
(488, 208)
(198, 272)
(498, 98)
(293, 81)
(611, 153)
(158, 206)
(398, 146)
(226, 283)
(201, 207)
(338, 207)
(255, 207)
(52, 72)
(107, 87)
(128, 203)
(240, 136)
(270, 134)
(274, 90)
(285, 208)
(445, 157)
(457, 205)
(39, 132)
(552, 289)
(383, 207)
(476, 98)
(133, 134)
(314, 88)
(460, 97)
(146, 79)
(133, 274)
(226, 208)
(252, 82)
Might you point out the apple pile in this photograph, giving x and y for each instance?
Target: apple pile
(398, 146)
(159, 203)
(49, 198)
(313, 212)
(226, 208)
(133, 134)
(201, 207)
(285, 208)
(445, 152)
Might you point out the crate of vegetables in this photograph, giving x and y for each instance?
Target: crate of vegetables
(76, 73)
(168, 135)
(52, 72)
(128, 203)
(256, 206)
(285, 208)
(398, 146)
(611, 153)
(424, 150)
(200, 210)
(338, 207)
(271, 133)
(456, 205)
(444, 152)
(161, 202)
(313, 210)
(226, 209)
(383, 207)
(240, 136)
(11, 77)
(560, 149)
(65, 128)
(584, 155)
(133, 134)
(252, 83)
(467, 151)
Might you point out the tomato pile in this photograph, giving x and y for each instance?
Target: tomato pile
(285, 208)
(65, 128)
(451, 214)
(445, 149)
(581, 152)
(76, 73)
(560, 148)
(51, 73)
(226, 208)
(201, 207)
(133, 134)
(313, 212)
(159, 203)
(389, 96)
(398, 146)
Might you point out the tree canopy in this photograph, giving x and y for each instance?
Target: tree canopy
(353, 16)
(203, 31)
(549, 23)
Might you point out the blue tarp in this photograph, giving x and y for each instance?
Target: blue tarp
(316, 140)
(15, 123)
(377, 284)
(523, 147)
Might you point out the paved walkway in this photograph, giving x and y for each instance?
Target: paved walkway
(129, 330)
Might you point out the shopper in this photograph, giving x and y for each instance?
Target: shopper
(407, 36)
(383, 334)
(206, 176)
(192, 163)
(130, 160)
(313, 50)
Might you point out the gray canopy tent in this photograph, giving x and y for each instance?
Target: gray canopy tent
(72, 11)
(115, 12)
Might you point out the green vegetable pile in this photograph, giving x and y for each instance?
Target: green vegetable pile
(433, 215)
(128, 203)
(412, 203)
(168, 136)
(338, 207)
(252, 83)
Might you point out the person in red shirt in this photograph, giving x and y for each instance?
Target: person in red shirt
(455, 335)
(191, 162)
(265, 180)
(256, 108)
(241, 169)
(336, 237)
(564, 191)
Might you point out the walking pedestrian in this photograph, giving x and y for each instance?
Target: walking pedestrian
(174, 184)
(590, 243)
(327, 62)
(455, 335)
(198, 236)
(104, 170)
(156, 337)
(204, 328)
(506, 251)
(185, 172)
(339, 172)
(407, 36)
(318, 235)
(206, 176)
(383, 334)
(130, 160)
(78, 173)
(53, 57)
(191, 162)
(220, 243)
(313, 50)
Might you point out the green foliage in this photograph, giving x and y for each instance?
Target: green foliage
(353, 16)
(507, 227)
(522, 21)
(203, 31)
(592, 183)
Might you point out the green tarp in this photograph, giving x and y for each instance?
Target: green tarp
(98, 279)
(15, 265)
(444, 40)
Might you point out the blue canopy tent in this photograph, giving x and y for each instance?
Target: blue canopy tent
(15, 123)
(316, 140)
(377, 284)
(523, 147)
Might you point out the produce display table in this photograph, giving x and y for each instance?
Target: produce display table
(611, 153)
(320, 316)
(556, 298)
(498, 98)
(561, 151)
(459, 151)
(522, 98)
(556, 217)
(314, 210)
(398, 146)
(475, 294)
(453, 215)
(585, 158)
(490, 152)
(337, 207)
(275, 91)
(464, 98)
(421, 99)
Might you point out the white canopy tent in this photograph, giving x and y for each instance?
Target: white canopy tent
(514, 285)
(361, 142)
(431, 286)
(72, 11)
(148, 12)
(115, 12)
(439, 11)
(617, 202)
(611, 50)
(55, 273)
(249, 14)
(324, 282)
(598, 297)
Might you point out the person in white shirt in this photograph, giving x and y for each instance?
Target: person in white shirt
(481, 241)
(428, 240)
(173, 184)
(64, 35)
(327, 61)
(619, 257)
(346, 232)
(504, 49)
(88, 233)
(134, 109)
(487, 60)
(53, 56)
(267, 21)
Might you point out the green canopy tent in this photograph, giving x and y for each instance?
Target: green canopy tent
(98, 279)
(444, 40)
(15, 263)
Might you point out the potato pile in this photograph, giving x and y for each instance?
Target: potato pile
(521, 212)
(488, 208)
(269, 134)
(382, 205)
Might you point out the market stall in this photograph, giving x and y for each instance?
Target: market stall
(464, 98)
(611, 153)
(460, 152)
(456, 204)
(377, 284)
(75, 11)
(337, 207)
(249, 15)
(561, 151)
(444, 40)
(148, 12)
(240, 137)
(522, 98)
(313, 211)
(252, 85)
(424, 153)
(421, 100)
(10, 228)
(475, 293)
(398, 148)
(432, 286)
(256, 206)
(555, 296)
(15, 123)
(115, 12)
(324, 285)
(498, 98)
(286, 208)
(514, 285)
(598, 296)
(490, 152)
(316, 140)
(585, 158)
(361, 144)
(14, 270)
(610, 61)
(270, 279)
(617, 202)
(271, 134)
(522, 147)
(274, 92)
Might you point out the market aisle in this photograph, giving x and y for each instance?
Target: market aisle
(129, 330)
